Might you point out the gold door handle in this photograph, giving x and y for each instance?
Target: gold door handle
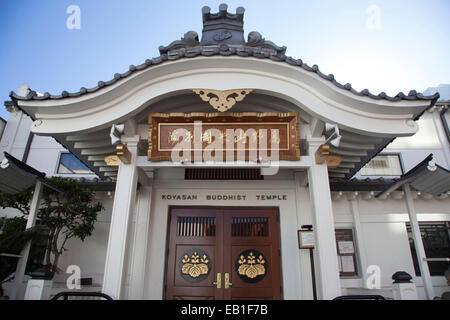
(228, 284)
(218, 282)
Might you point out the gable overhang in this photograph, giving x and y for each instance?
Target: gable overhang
(81, 123)
(310, 92)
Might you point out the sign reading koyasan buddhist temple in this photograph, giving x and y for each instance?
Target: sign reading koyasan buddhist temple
(223, 136)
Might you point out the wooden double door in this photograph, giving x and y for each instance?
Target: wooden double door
(223, 253)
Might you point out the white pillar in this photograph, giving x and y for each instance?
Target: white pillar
(124, 199)
(303, 218)
(420, 251)
(328, 282)
(139, 254)
(352, 198)
(22, 263)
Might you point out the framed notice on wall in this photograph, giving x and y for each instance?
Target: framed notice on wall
(346, 253)
(346, 247)
(305, 239)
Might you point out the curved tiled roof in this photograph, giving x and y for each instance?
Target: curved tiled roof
(223, 35)
(224, 50)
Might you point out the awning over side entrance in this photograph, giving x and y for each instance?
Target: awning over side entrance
(17, 176)
(427, 177)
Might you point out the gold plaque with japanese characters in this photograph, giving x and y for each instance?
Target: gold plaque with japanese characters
(247, 136)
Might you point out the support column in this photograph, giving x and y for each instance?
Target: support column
(352, 199)
(303, 218)
(329, 285)
(124, 199)
(22, 263)
(420, 251)
(139, 254)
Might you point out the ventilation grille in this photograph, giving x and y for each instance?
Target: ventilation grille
(196, 226)
(377, 163)
(223, 174)
(249, 227)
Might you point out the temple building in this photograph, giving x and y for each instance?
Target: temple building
(230, 170)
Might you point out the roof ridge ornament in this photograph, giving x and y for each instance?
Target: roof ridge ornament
(223, 14)
(223, 27)
(190, 39)
(222, 100)
(255, 39)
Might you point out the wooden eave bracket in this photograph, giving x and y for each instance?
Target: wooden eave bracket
(322, 155)
(123, 153)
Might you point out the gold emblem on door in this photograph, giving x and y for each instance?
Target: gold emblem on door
(195, 266)
(251, 266)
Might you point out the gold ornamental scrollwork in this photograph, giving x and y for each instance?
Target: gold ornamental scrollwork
(195, 265)
(112, 160)
(251, 266)
(222, 100)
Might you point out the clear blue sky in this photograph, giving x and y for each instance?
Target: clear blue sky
(386, 46)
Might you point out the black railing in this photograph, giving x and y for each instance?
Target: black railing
(66, 294)
(360, 297)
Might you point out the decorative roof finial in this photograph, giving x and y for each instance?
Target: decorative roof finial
(223, 27)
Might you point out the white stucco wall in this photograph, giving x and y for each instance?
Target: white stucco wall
(383, 224)
(15, 134)
(90, 254)
(429, 139)
(2, 127)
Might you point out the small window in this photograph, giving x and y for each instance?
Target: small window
(383, 165)
(346, 251)
(435, 238)
(69, 164)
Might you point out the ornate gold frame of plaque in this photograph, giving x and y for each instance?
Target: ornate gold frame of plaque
(161, 139)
